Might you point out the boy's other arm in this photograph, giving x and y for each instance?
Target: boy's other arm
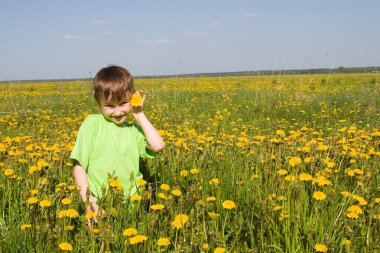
(81, 179)
(154, 140)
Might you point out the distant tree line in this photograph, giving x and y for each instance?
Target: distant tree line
(340, 69)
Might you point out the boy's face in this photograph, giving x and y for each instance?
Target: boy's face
(115, 111)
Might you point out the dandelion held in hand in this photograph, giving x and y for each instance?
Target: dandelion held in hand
(136, 100)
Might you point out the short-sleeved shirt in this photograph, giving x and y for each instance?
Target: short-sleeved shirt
(105, 149)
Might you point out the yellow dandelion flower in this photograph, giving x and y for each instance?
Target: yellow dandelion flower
(114, 183)
(361, 200)
(66, 201)
(320, 247)
(210, 199)
(213, 215)
(141, 182)
(346, 193)
(95, 230)
(90, 215)
(177, 192)
(294, 161)
(307, 160)
(280, 132)
(376, 216)
(8, 172)
(61, 214)
(32, 200)
(163, 241)
(184, 173)
(65, 246)
(72, 213)
(129, 232)
(162, 195)
(377, 200)
(165, 187)
(228, 204)
(282, 172)
(194, 171)
(214, 181)
(318, 195)
(136, 100)
(137, 239)
(219, 250)
(136, 197)
(352, 215)
(157, 207)
(32, 169)
(25, 226)
(45, 203)
(346, 242)
(290, 178)
(34, 192)
(278, 208)
(355, 209)
(305, 177)
(179, 220)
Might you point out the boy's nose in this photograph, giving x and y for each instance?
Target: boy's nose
(118, 111)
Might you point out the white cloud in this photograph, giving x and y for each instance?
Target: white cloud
(197, 34)
(215, 23)
(154, 42)
(100, 22)
(248, 16)
(75, 37)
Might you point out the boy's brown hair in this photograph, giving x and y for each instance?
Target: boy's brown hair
(114, 83)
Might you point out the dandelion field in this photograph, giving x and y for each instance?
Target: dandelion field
(251, 164)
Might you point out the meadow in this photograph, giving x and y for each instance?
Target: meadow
(286, 163)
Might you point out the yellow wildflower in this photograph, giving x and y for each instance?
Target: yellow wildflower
(305, 177)
(137, 239)
(318, 195)
(32, 200)
(129, 232)
(141, 182)
(165, 187)
(25, 226)
(320, 247)
(157, 207)
(210, 199)
(183, 173)
(228, 204)
(219, 250)
(65, 246)
(45, 203)
(136, 100)
(177, 192)
(282, 172)
(66, 201)
(163, 241)
(136, 197)
(294, 161)
(214, 181)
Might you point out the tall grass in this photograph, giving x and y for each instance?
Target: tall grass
(262, 164)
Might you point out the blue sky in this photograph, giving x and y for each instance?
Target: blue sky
(44, 39)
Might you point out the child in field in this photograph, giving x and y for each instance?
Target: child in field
(107, 144)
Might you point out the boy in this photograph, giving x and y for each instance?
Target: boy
(107, 144)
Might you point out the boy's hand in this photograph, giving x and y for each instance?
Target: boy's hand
(137, 103)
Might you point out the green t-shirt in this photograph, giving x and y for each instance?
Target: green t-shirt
(103, 147)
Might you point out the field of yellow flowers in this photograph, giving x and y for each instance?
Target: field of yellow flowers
(251, 164)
